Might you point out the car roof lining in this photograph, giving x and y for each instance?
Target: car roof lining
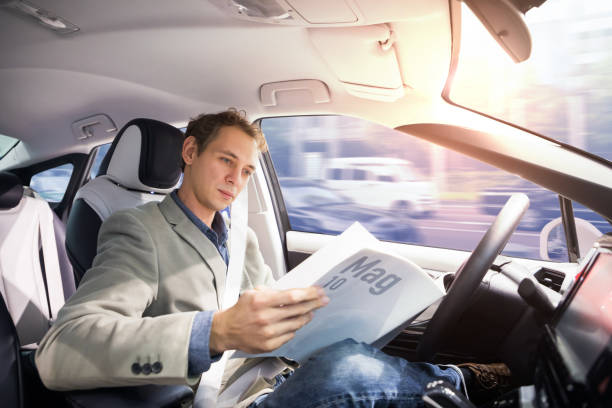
(171, 63)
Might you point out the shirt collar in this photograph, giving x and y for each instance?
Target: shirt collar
(218, 224)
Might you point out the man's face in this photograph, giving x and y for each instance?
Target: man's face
(221, 171)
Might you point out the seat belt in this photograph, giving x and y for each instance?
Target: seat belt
(206, 396)
(52, 272)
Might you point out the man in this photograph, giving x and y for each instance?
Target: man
(148, 309)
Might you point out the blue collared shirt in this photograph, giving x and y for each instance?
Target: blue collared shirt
(216, 233)
(199, 359)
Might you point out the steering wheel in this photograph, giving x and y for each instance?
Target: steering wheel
(470, 274)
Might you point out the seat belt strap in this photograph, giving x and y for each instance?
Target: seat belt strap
(206, 396)
(238, 238)
(52, 270)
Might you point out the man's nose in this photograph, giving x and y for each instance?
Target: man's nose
(233, 176)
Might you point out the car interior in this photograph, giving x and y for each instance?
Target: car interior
(510, 211)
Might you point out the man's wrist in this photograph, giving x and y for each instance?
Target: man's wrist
(216, 342)
(200, 355)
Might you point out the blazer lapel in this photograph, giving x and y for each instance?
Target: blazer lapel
(194, 237)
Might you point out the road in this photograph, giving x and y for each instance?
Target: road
(460, 226)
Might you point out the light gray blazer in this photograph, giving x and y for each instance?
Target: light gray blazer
(154, 270)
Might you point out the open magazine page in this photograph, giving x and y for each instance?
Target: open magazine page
(372, 292)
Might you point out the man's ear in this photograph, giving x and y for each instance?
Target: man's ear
(190, 149)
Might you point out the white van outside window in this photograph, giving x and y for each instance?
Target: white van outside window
(392, 184)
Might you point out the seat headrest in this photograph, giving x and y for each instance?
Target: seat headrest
(145, 156)
(11, 190)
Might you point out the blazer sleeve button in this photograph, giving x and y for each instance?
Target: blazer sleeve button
(157, 367)
(136, 368)
(146, 368)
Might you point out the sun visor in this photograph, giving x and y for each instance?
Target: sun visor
(362, 58)
(424, 49)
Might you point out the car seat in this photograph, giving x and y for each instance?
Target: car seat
(35, 280)
(143, 164)
(35, 276)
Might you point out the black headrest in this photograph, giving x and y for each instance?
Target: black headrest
(11, 190)
(158, 151)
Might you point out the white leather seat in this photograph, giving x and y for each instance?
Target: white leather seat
(31, 280)
(143, 164)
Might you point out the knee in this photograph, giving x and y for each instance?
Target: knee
(345, 352)
(354, 362)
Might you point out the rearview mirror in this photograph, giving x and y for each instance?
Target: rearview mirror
(504, 21)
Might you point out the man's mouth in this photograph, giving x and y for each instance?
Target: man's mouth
(228, 195)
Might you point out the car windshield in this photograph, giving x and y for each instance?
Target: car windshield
(564, 89)
(6, 144)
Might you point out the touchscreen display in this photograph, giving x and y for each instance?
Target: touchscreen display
(584, 331)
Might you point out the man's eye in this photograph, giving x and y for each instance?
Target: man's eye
(226, 160)
(247, 173)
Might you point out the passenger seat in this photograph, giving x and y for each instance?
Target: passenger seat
(35, 280)
(35, 276)
(143, 164)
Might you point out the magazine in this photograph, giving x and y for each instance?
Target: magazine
(373, 294)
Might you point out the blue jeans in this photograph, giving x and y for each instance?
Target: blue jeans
(351, 374)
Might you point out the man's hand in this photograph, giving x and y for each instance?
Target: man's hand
(264, 319)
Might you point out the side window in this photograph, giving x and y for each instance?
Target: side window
(100, 153)
(399, 187)
(51, 184)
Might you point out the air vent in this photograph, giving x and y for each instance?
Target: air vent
(550, 278)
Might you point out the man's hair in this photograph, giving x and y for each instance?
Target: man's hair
(205, 128)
